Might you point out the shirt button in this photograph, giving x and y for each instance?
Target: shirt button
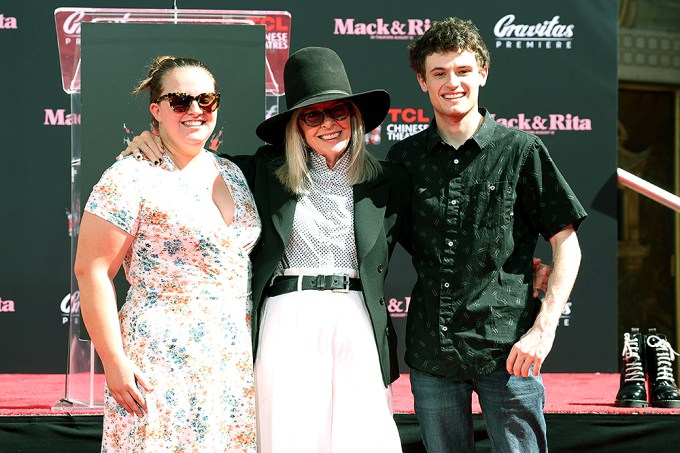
(454, 201)
(450, 244)
(382, 301)
(444, 329)
(455, 161)
(446, 285)
(492, 187)
(380, 268)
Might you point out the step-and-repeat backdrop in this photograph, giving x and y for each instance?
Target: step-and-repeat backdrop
(553, 73)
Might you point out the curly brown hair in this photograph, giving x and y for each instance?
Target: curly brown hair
(449, 35)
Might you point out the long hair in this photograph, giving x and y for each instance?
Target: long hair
(294, 173)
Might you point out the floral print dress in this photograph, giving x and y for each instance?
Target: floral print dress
(186, 319)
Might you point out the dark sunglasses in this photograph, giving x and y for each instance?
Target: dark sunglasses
(338, 112)
(181, 102)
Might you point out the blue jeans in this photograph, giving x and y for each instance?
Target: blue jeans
(512, 408)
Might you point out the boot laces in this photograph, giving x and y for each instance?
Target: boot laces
(664, 356)
(631, 352)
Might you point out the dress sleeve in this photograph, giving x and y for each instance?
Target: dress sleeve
(116, 197)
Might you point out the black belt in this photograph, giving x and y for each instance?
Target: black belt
(337, 283)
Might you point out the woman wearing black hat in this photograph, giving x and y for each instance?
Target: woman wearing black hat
(331, 215)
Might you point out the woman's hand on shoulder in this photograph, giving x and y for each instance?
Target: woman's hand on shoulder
(146, 145)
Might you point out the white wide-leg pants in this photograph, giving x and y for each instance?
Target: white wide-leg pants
(317, 377)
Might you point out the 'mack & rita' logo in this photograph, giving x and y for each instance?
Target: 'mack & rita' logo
(548, 124)
(398, 308)
(7, 22)
(6, 306)
(382, 29)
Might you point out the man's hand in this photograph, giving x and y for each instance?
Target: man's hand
(530, 350)
(145, 145)
(535, 345)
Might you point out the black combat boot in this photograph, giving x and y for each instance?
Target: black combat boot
(660, 356)
(632, 391)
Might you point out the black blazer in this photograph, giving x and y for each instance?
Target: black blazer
(381, 209)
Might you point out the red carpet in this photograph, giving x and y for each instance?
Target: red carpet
(580, 416)
(35, 394)
(567, 393)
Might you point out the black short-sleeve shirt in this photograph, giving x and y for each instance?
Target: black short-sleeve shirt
(477, 212)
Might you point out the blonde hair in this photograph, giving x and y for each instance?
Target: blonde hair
(294, 173)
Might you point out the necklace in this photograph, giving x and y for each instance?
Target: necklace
(174, 160)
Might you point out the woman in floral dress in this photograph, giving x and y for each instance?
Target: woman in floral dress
(178, 356)
(331, 217)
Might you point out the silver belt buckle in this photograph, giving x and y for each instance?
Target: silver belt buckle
(345, 283)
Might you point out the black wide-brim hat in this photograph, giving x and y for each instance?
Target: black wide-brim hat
(317, 74)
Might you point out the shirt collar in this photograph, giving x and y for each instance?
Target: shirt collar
(318, 168)
(481, 138)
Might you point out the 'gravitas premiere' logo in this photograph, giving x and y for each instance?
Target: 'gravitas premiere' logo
(549, 34)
